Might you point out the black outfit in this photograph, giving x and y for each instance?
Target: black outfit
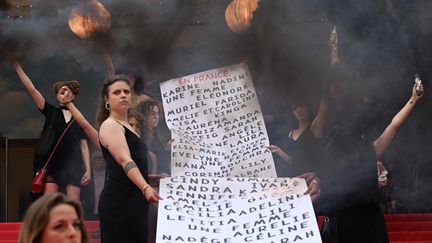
(163, 156)
(66, 165)
(349, 188)
(122, 206)
(304, 152)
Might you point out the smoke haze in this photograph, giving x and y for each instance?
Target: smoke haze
(383, 43)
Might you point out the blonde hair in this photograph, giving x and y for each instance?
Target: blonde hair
(37, 217)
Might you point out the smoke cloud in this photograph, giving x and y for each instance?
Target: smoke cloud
(382, 43)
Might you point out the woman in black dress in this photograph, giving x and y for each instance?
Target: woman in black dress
(298, 150)
(69, 166)
(123, 203)
(157, 144)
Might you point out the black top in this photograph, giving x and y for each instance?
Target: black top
(66, 165)
(122, 206)
(304, 152)
(349, 173)
(163, 156)
(349, 183)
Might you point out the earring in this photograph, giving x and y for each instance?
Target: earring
(107, 106)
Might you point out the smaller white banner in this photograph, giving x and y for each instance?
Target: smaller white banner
(214, 210)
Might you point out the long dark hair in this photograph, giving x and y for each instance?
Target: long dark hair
(102, 113)
(149, 133)
(139, 85)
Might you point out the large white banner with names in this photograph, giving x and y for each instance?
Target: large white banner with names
(217, 125)
(225, 210)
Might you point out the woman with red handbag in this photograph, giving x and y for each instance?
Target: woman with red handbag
(67, 154)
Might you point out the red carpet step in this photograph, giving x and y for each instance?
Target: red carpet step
(408, 217)
(9, 232)
(402, 228)
(410, 236)
(411, 241)
(409, 228)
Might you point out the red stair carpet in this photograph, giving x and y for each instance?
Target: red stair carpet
(406, 228)
(9, 232)
(402, 228)
(409, 228)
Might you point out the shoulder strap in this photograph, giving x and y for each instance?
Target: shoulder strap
(290, 133)
(58, 142)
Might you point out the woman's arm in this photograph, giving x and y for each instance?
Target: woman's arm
(382, 143)
(66, 98)
(112, 137)
(318, 123)
(85, 180)
(281, 153)
(28, 84)
(91, 132)
(108, 62)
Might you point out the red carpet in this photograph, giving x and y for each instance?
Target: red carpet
(402, 228)
(406, 228)
(409, 228)
(9, 232)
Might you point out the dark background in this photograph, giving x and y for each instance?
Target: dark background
(384, 42)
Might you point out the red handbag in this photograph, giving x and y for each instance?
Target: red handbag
(38, 182)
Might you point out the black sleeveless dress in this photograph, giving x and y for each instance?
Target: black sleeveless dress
(349, 183)
(66, 166)
(122, 206)
(304, 151)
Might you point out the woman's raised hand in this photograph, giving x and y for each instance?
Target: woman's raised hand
(65, 95)
(419, 95)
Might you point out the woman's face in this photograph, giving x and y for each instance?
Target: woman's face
(152, 118)
(119, 96)
(300, 112)
(63, 226)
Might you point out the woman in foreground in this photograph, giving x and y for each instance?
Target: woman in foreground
(53, 218)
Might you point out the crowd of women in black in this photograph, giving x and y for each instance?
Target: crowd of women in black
(334, 148)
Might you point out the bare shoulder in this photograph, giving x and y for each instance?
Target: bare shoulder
(110, 128)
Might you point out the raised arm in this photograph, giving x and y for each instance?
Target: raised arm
(28, 84)
(382, 143)
(318, 123)
(67, 98)
(112, 137)
(108, 62)
(91, 132)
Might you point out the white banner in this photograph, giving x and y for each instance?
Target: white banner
(217, 125)
(235, 210)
